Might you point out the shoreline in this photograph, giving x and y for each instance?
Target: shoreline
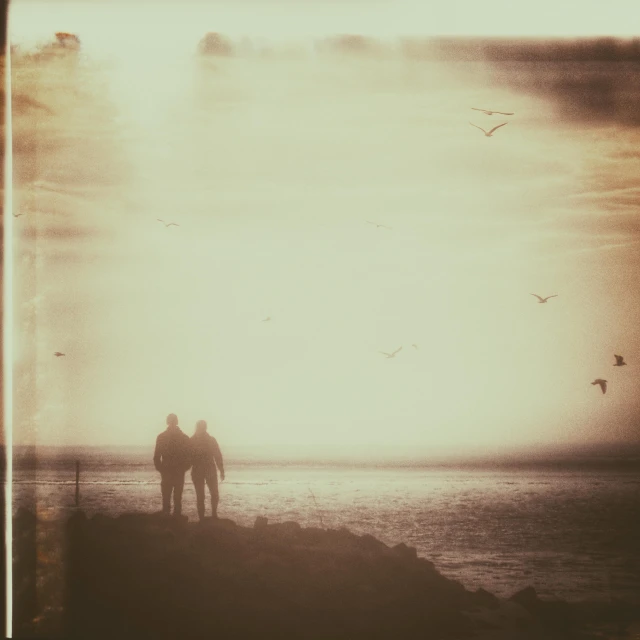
(273, 579)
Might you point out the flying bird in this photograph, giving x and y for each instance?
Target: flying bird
(544, 300)
(391, 355)
(602, 383)
(488, 134)
(267, 319)
(17, 215)
(619, 361)
(490, 113)
(168, 224)
(415, 346)
(57, 354)
(384, 226)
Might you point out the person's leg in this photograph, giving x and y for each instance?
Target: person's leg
(177, 493)
(198, 485)
(212, 483)
(165, 488)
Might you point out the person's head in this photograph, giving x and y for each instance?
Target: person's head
(172, 420)
(201, 427)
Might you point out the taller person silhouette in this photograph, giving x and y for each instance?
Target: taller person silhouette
(172, 458)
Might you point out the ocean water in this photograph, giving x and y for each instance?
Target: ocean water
(571, 534)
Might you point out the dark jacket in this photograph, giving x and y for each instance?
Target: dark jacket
(172, 452)
(205, 454)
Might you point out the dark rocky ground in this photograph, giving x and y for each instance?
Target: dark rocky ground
(148, 576)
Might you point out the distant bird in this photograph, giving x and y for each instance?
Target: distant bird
(57, 354)
(267, 319)
(384, 226)
(602, 383)
(391, 355)
(544, 300)
(490, 113)
(619, 361)
(17, 215)
(488, 134)
(168, 224)
(415, 346)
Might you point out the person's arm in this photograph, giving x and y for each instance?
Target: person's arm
(217, 456)
(157, 455)
(188, 452)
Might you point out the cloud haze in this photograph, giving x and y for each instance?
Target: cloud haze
(272, 168)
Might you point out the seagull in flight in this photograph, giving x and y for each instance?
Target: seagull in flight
(488, 134)
(391, 355)
(57, 354)
(602, 383)
(490, 113)
(168, 224)
(384, 226)
(619, 361)
(544, 300)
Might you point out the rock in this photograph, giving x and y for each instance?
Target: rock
(369, 543)
(427, 563)
(340, 540)
(149, 521)
(507, 620)
(527, 598)
(218, 579)
(484, 598)
(555, 613)
(284, 530)
(141, 519)
(312, 535)
(330, 583)
(405, 552)
(225, 523)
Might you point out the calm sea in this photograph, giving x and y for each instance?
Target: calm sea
(573, 534)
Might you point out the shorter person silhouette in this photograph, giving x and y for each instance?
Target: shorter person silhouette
(172, 458)
(207, 461)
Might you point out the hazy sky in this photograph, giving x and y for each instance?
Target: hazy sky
(296, 18)
(272, 167)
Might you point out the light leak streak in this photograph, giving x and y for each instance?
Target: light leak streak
(7, 337)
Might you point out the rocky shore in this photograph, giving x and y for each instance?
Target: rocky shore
(149, 576)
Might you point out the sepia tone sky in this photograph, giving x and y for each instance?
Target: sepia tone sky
(272, 161)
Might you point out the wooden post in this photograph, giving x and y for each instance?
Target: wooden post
(77, 483)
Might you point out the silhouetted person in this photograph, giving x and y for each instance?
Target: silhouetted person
(172, 459)
(206, 457)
